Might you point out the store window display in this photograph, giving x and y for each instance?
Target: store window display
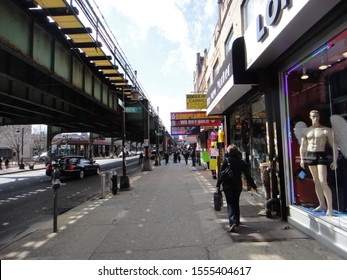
(313, 152)
(317, 107)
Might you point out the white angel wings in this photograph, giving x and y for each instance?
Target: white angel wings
(339, 127)
(299, 129)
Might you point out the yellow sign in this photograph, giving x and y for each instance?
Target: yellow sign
(196, 101)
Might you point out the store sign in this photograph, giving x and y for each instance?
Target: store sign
(223, 76)
(196, 101)
(190, 122)
(199, 122)
(272, 16)
(191, 115)
(278, 25)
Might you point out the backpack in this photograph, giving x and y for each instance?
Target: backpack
(227, 174)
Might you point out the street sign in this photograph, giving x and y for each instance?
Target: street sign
(133, 109)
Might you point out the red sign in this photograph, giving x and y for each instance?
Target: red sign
(198, 122)
(192, 115)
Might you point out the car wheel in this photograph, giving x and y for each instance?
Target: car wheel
(81, 174)
(97, 171)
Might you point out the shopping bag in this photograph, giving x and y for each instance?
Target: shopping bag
(218, 200)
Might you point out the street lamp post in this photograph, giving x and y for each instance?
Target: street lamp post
(20, 157)
(124, 183)
(157, 158)
(146, 166)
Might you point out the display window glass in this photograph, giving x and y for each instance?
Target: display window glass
(249, 133)
(316, 100)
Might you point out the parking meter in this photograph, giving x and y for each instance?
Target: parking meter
(56, 178)
(55, 185)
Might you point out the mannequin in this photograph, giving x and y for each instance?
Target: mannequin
(312, 149)
(221, 135)
(214, 137)
(213, 151)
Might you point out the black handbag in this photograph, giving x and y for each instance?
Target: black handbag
(227, 174)
(218, 200)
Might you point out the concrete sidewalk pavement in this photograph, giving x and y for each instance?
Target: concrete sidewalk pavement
(168, 214)
(14, 168)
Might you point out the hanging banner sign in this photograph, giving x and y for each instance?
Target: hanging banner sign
(196, 101)
(192, 115)
(200, 122)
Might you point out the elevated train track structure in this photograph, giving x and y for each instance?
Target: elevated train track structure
(56, 71)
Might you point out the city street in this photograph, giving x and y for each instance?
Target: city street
(167, 215)
(26, 197)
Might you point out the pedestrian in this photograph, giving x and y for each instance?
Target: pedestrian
(175, 157)
(1, 160)
(233, 186)
(193, 155)
(140, 158)
(166, 157)
(7, 163)
(186, 156)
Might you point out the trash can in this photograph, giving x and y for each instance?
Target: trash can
(31, 165)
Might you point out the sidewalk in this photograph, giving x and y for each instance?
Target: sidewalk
(168, 214)
(15, 168)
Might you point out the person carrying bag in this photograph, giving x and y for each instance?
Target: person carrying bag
(232, 168)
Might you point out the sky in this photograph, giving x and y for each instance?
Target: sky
(160, 39)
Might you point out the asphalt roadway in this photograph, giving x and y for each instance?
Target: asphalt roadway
(166, 215)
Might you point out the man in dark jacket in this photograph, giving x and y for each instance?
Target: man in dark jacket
(232, 188)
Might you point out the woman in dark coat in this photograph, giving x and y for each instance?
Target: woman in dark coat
(233, 187)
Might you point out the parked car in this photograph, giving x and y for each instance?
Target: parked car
(41, 158)
(75, 166)
(120, 155)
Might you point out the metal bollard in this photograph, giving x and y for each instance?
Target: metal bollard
(103, 185)
(114, 180)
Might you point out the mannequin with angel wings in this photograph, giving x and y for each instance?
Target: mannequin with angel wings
(313, 142)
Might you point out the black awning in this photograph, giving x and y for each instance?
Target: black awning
(232, 80)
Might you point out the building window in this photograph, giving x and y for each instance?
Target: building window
(249, 132)
(250, 11)
(215, 70)
(229, 42)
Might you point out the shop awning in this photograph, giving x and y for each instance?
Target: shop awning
(232, 80)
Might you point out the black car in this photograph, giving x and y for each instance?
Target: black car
(75, 166)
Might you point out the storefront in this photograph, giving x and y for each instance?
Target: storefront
(304, 43)
(237, 94)
(298, 50)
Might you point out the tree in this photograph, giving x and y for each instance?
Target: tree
(39, 139)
